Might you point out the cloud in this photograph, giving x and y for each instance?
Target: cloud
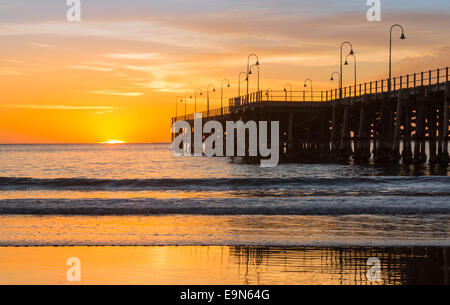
(139, 56)
(163, 86)
(41, 45)
(10, 72)
(95, 68)
(59, 107)
(112, 92)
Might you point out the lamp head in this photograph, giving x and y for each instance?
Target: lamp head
(228, 86)
(284, 89)
(346, 62)
(257, 63)
(304, 85)
(403, 37)
(246, 79)
(351, 52)
(214, 89)
(250, 72)
(332, 79)
(201, 93)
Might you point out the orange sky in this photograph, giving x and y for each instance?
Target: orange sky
(115, 75)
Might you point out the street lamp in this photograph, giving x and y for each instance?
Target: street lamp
(221, 94)
(239, 86)
(332, 78)
(340, 75)
(354, 60)
(269, 94)
(250, 72)
(176, 105)
(402, 37)
(195, 98)
(207, 97)
(285, 91)
(185, 106)
(248, 69)
(304, 85)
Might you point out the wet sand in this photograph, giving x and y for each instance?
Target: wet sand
(225, 265)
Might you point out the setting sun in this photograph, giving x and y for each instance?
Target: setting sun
(112, 142)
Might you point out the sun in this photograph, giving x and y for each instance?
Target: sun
(112, 142)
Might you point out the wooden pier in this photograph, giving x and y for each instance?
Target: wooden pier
(406, 122)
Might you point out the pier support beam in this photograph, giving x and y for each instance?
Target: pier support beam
(407, 152)
(335, 128)
(432, 134)
(382, 151)
(290, 133)
(345, 147)
(419, 147)
(398, 123)
(444, 158)
(362, 153)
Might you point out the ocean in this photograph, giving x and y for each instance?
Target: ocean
(140, 196)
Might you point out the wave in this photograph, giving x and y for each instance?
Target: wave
(371, 205)
(433, 184)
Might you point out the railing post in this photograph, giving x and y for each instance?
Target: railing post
(382, 85)
(437, 80)
(370, 87)
(421, 79)
(376, 87)
(304, 98)
(429, 78)
(401, 82)
(407, 81)
(321, 95)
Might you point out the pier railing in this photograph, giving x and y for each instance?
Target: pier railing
(410, 81)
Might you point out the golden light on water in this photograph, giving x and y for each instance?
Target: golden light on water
(113, 142)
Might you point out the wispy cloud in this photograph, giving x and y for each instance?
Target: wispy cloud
(10, 72)
(111, 92)
(95, 68)
(138, 56)
(59, 107)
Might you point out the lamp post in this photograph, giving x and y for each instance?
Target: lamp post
(340, 74)
(239, 86)
(285, 91)
(250, 72)
(248, 69)
(195, 99)
(176, 105)
(354, 60)
(185, 106)
(269, 93)
(304, 85)
(207, 97)
(332, 78)
(221, 94)
(402, 37)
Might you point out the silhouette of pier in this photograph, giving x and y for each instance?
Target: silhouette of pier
(405, 120)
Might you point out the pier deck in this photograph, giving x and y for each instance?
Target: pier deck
(405, 121)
